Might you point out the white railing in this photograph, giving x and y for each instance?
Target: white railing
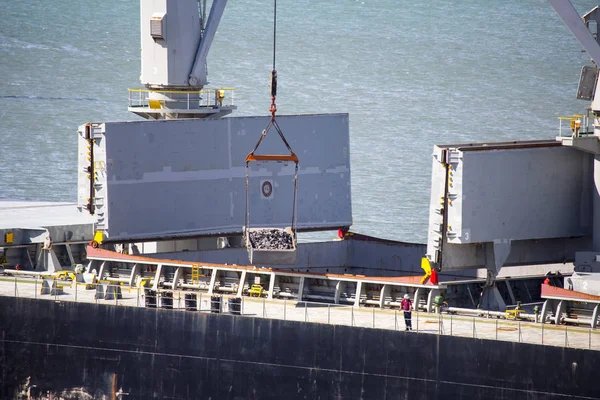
(574, 126)
(111, 293)
(186, 100)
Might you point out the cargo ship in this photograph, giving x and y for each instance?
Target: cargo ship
(148, 286)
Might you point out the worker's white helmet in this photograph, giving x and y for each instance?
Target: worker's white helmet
(406, 296)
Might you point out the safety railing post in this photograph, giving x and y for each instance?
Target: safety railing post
(395, 320)
(566, 337)
(473, 326)
(417, 314)
(264, 311)
(450, 324)
(15, 286)
(542, 331)
(590, 339)
(305, 311)
(519, 331)
(560, 127)
(75, 283)
(373, 317)
(352, 316)
(284, 308)
(496, 329)
(328, 313)
(137, 297)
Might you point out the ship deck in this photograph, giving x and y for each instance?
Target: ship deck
(32, 214)
(365, 317)
(30, 221)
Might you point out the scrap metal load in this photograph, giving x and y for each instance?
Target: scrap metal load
(271, 239)
(271, 246)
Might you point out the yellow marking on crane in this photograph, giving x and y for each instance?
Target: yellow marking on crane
(425, 266)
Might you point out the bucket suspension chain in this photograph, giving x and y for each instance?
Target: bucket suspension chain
(295, 201)
(247, 215)
(273, 123)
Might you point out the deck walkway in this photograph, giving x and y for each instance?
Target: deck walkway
(367, 317)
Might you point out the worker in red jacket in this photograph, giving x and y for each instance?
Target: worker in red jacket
(406, 306)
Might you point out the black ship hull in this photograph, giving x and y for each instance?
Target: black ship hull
(78, 350)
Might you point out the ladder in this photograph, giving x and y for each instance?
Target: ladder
(195, 274)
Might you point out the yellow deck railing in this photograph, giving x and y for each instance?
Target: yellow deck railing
(577, 125)
(182, 99)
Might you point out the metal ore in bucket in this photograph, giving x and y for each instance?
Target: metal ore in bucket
(276, 239)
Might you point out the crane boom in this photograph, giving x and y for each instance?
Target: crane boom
(578, 28)
(198, 72)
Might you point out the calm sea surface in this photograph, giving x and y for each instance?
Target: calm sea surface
(411, 75)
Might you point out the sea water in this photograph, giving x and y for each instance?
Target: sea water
(411, 74)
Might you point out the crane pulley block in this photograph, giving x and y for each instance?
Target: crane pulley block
(274, 83)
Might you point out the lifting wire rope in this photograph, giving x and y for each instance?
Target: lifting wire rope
(273, 123)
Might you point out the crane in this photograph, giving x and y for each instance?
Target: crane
(176, 37)
(580, 28)
(198, 73)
